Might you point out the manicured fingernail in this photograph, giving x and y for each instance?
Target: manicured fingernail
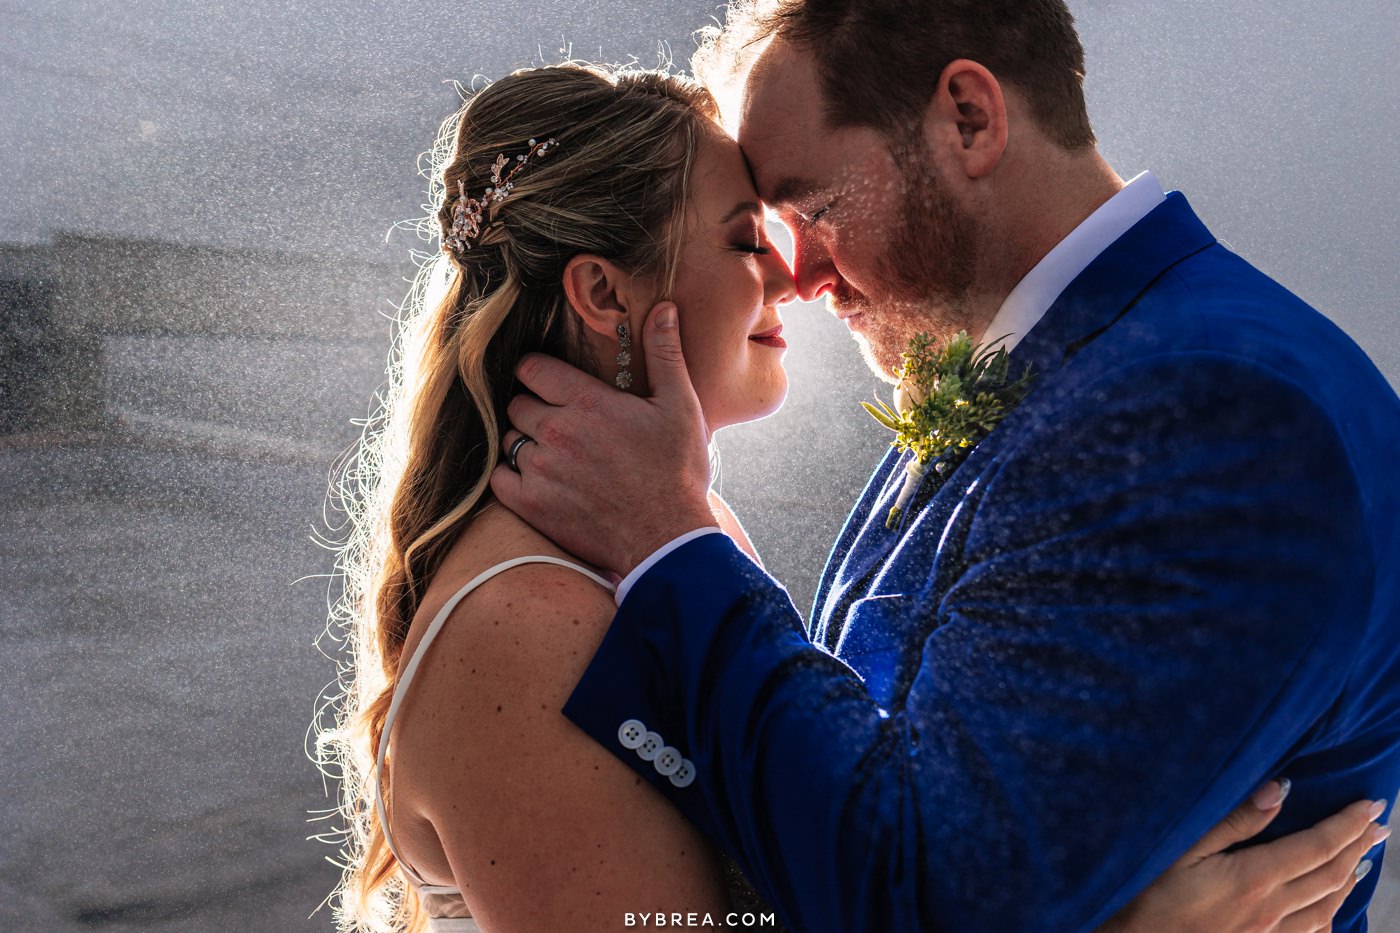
(1272, 794)
(666, 318)
(1377, 809)
(1377, 834)
(1363, 869)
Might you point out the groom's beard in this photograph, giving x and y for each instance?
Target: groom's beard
(929, 265)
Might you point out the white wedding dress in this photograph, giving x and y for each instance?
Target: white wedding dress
(446, 909)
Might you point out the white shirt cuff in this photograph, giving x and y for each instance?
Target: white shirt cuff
(625, 586)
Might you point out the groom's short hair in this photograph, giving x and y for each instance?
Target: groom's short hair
(879, 60)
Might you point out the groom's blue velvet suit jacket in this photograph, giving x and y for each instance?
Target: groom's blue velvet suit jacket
(1167, 576)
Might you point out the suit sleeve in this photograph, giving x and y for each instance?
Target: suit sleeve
(1156, 594)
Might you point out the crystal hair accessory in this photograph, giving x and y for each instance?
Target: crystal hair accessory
(468, 212)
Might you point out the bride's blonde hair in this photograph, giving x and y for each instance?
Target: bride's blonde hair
(615, 185)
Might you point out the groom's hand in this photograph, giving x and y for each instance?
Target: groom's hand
(609, 476)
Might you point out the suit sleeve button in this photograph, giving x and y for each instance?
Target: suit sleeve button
(668, 761)
(685, 774)
(632, 733)
(650, 746)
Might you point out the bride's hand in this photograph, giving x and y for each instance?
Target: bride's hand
(1291, 885)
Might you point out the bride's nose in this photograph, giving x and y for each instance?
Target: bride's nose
(779, 286)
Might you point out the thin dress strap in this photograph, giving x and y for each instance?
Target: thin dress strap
(411, 668)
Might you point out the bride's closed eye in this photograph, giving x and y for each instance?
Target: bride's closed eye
(752, 241)
(757, 249)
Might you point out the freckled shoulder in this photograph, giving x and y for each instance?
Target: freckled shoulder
(534, 622)
(495, 788)
(498, 535)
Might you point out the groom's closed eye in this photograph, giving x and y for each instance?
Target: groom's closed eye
(801, 203)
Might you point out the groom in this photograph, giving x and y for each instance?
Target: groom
(1170, 573)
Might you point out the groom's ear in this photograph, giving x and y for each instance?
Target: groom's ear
(967, 119)
(600, 292)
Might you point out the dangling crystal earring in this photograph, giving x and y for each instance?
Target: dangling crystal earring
(624, 358)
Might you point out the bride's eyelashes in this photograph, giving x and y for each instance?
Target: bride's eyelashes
(756, 249)
(751, 241)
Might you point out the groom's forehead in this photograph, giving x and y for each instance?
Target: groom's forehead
(780, 105)
(781, 76)
(775, 161)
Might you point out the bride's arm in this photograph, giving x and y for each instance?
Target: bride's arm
(729, 524)
(543, 829)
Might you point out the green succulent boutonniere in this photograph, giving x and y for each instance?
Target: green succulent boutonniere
(955, 393)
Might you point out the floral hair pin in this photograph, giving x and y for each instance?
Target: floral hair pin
(468, 212)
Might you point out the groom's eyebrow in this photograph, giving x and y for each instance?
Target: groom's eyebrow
(750, 207)
(790, 190)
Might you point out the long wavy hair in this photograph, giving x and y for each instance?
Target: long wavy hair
(616, 185)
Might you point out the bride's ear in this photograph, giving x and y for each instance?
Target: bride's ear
(599, 291)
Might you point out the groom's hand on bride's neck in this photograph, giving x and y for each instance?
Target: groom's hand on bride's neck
(609, 476)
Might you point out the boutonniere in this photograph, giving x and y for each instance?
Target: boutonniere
(949, 397)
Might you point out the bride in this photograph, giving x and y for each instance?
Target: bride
(570, 199)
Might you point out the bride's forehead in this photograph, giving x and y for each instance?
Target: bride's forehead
(720, 168)
(716, 144)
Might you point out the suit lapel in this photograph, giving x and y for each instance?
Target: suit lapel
(863, 544)
(1111, 284)
(1101, 294)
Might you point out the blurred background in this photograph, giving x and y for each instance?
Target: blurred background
(198, 265)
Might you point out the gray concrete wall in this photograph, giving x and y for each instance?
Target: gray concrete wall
(128, 285)
(63, 304)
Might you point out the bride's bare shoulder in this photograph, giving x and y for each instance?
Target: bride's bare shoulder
(500, 668)
(494, 788)
(498, 535)
(534, 621)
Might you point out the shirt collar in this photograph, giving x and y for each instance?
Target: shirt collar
(1035, 293)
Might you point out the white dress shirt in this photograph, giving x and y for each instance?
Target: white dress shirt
(1035, 293)
(1024, 306)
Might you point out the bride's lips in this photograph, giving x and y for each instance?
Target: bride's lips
(771, 338)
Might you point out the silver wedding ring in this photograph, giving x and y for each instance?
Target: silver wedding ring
(515, 449)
